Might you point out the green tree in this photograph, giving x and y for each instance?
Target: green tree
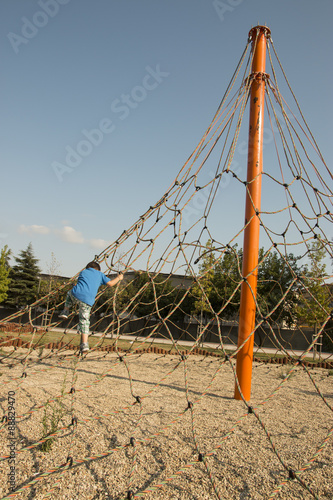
(4, 272)
(227, 278)
(315, 297)
(203, 287)
(145, 296)
(151, 295)
(23, 288)
(277, 290)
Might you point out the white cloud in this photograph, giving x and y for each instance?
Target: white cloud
(34, 228)
(99, 243)
(69, 234)
(66, 233)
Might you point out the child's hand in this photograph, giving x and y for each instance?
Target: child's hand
(120, 276)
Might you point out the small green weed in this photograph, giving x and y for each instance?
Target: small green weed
(53, 414)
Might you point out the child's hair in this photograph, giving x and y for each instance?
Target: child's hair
(94, 265)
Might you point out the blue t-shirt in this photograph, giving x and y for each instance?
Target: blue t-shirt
(87, 285)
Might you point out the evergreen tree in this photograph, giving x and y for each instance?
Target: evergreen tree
(23, 288)
(4, 272)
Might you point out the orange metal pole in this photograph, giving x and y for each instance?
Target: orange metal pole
(247, 312)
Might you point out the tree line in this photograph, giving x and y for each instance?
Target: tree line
(288, 292)
(21, 283)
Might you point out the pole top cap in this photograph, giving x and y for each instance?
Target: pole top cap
(259, 29)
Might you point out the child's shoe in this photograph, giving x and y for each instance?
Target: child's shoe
(64, 314)
(84, 347)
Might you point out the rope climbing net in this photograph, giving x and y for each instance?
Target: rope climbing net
(149, 410)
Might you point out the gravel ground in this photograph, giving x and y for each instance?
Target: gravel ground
(168, 429)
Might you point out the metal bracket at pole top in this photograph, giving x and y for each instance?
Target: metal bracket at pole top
(254, 32)
(258, 76)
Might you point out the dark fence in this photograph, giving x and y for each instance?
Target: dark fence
(296, 339)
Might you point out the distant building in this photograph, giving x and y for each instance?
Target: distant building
(177, 280)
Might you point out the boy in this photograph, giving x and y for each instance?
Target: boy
(84, 294)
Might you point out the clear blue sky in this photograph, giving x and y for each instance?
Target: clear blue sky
(66, 66)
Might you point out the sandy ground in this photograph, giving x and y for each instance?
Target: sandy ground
(160, 427)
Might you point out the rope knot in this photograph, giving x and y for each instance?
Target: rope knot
(292, 474)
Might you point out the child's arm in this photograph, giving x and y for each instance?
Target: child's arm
(115, 280)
